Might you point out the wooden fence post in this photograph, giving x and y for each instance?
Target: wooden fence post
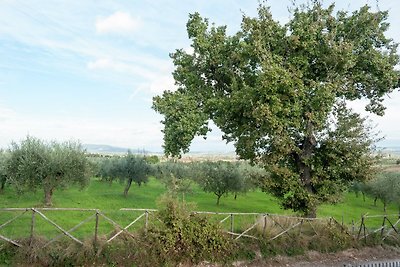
(146, 221)
(365, 235)
(361, 226)
(32, 226)
(265, 225)
(232, 224)
(383, 225)
(96, 228)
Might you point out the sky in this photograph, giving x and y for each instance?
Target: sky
(88, 70)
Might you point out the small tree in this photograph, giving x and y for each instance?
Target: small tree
(129, 169)
(37, 164)
(219, 178)
(359, 187)
(247, 179)
(385, 187)
(177, 177)
(134, 169)
(109, 169)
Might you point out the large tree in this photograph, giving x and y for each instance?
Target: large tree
(34, 164)
(279, 93)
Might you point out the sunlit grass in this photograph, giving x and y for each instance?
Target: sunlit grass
(109, 199)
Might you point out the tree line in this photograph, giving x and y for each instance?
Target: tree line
(385, 187)
(35, 164)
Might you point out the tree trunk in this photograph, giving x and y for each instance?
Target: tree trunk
(218, 197)
(128, 185)
(384, 206)
(304, 168)
(3, 184)
(363, 194)
(312, 212)
(48, 195)
(375, 199)
(235, 196)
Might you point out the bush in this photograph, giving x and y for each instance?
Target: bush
(182, 237)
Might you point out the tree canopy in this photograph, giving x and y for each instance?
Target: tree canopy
(36, 164)
(219, 178)
(129, 168)
(279, 93)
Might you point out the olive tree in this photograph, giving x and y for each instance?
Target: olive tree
(385, 187)
(247, 179)
(219, 178)
(129, 169)
(279, 92)
(177, 177)
(34, 163)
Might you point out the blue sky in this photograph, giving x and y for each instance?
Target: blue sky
(87, 70)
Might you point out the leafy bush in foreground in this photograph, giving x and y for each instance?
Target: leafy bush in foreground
(180, 236)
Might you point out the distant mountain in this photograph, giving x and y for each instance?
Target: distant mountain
(390, 150)
(107, 149)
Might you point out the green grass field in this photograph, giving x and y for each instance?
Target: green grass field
(109, 200)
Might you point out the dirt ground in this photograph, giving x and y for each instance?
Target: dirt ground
(348, 257)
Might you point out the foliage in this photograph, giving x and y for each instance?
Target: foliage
(152, 159)
(177, 177)
(279, 93)
(359, 187)
(220, 178)
(130, 168)
(182, 237)
(3, 169)
(177, 169)
(36, 164)
(107, 169)
(247, 178)
(385, 187)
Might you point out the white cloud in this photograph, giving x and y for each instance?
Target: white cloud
(6, 114)
(119, 22)
(156, 86)
(162, 83)
(189, 50)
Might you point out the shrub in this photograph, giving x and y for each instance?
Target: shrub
(178, 236)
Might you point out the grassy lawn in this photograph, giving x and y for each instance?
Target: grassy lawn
(109, 199)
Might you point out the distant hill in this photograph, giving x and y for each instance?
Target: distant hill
(107, 149)
(394, 150)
